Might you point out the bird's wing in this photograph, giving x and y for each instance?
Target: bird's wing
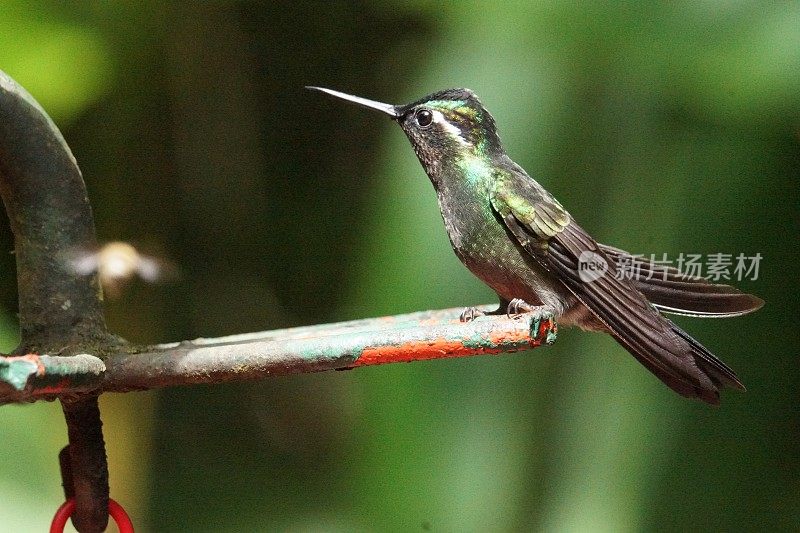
(672, 291)
(546, 231)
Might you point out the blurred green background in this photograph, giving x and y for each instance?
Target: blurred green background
(664, 127)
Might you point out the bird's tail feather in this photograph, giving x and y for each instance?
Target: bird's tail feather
(720, 373)
(672, 291)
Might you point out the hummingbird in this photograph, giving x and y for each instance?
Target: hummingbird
(521, 242)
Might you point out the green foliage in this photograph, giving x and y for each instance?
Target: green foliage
(58, 58)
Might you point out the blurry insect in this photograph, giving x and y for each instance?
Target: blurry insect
(116, 263)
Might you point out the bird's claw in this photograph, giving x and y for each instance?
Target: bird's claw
(518, 306)
(515, 307)
(470, 313)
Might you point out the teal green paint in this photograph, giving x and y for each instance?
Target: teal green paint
(479, 342)
(483, 342)
(78, 366)
(331, 352)
(344, 347)
(44, 371)
(551, 335)
(16, 372)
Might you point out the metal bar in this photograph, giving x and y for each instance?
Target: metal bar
(49, 213)
(88, 467)
(59, 311)
(342, 345)
(401, 338)
(30, 377)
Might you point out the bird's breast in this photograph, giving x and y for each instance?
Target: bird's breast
(482, 243)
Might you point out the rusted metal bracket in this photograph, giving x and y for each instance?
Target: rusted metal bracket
(339, 346)
(59, 312)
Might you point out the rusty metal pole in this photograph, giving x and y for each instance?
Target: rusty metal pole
(59, 312)
(418, 336)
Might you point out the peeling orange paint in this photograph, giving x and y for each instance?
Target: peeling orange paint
(544, 326)
(432, 349)
(497, 342)
(416, 351)
(511, 337)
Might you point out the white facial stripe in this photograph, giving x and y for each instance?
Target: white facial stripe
(453, 130)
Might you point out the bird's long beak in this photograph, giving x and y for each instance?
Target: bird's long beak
(389, 109)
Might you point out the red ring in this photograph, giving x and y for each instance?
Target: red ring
(116, 511)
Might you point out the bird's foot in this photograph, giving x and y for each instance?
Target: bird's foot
(470, 313)
(518, 306)
(515, 307)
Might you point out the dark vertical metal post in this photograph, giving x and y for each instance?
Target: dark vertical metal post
(59, 312)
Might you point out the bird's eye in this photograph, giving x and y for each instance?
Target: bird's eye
(424, 118)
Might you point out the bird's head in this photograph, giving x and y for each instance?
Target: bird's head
(443, 127)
